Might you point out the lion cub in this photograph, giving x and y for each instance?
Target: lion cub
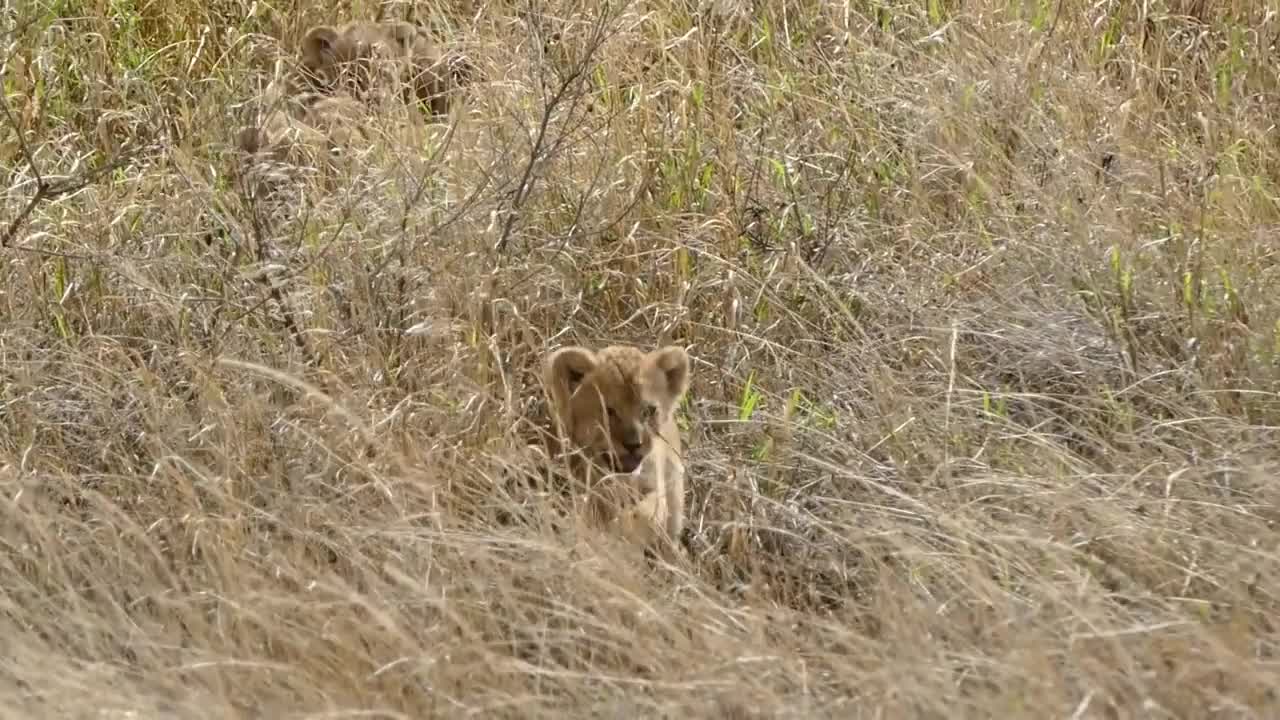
(364, 58)
(307, 124)
(616, 408)
(323, 108)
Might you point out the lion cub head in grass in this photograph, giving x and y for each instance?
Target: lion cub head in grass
(310, 122)
(615, 407)
(319, 132)
(364, 58)
(327, 107)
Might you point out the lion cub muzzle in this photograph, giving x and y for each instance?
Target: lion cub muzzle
(630, 446)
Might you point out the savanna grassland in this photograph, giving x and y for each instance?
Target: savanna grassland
(982, 299)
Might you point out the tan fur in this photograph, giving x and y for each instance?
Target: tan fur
(616, 409)
(313, 123)
(366, 59)
(318, 115)
(310, 130)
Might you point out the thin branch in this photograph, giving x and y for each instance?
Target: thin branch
(46, 189)
(539, 151)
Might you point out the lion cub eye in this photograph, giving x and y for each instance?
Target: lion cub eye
(613, 414)
(649, 411)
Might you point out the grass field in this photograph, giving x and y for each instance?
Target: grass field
(984, 308)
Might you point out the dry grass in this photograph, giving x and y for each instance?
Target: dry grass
(983, 300)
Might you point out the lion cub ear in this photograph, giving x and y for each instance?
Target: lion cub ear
(565, 369)
(673, 361)
(319, 42)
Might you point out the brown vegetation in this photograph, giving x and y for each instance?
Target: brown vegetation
(981, 300)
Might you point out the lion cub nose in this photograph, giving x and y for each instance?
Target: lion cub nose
(631, 440)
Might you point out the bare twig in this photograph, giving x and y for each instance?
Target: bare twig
(568, 88)
(51, 189)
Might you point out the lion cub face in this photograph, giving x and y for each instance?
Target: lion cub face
(618, 404)
(310, 129)
(361, 57)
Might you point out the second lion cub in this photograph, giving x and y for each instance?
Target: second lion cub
(359, 57)
(616, 408)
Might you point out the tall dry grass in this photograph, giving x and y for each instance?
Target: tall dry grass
(983, 300)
